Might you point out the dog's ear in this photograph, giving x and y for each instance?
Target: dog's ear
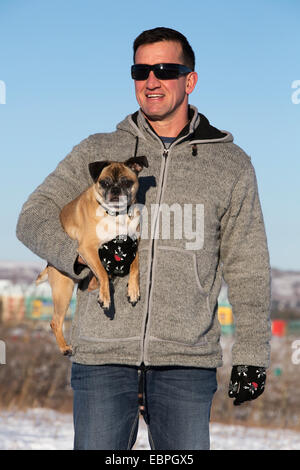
(136, 164)
(95, 169)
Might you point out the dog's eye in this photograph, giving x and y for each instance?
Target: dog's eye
(104, 184)
(127, 183)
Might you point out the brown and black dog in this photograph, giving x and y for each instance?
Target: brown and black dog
(96, 216)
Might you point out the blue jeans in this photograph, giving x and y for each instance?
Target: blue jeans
(177, 403)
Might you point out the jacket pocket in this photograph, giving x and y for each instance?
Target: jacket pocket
(122, 322)
(179, 305)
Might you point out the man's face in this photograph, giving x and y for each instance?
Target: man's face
(162, 99)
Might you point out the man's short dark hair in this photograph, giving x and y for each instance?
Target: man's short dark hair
(166, 34)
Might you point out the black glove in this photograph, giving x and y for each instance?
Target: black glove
(246, 383)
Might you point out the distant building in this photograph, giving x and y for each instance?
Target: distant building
(27, 302)
(12, 307)
(225, 315)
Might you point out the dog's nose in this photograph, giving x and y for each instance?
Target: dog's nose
(115, 190)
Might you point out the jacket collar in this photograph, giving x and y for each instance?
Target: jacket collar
(197, 131)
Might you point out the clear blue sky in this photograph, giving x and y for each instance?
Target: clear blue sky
(66, 68)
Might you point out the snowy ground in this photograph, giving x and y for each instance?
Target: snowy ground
(41, 429)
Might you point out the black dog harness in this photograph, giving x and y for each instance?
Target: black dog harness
(118, 254)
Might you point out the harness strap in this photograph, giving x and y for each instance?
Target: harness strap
(118, 254)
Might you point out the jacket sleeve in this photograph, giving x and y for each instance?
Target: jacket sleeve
(39, 226)
(246, 271)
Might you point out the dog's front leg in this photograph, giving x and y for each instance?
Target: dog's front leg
(134, 282)
(89, 254)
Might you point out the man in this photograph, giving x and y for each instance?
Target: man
(167, 346)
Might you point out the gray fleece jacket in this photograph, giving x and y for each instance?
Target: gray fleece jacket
(202, 220)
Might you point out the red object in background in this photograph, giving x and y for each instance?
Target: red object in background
(278, 327)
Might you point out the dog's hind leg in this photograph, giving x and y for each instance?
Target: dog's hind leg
(62, 290)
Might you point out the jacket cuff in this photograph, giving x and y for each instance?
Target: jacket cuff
(251, 354)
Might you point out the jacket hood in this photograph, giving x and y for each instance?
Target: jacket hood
(197, 131)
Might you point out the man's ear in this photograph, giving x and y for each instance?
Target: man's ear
(95, 169)
(191, 82)
(136, 164)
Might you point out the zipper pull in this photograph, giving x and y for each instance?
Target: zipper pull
(142, 392)
(166, 153)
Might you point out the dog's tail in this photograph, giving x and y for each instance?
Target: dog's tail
(42, 277)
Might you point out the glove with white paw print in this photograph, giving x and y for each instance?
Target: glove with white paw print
(246, 383)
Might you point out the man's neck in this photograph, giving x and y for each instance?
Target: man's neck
(166, 130)
(169, 128)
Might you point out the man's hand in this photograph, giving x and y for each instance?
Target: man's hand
(80, 260)
(79, 265)
(246, 383)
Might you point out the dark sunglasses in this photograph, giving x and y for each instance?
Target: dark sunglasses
(161, 71)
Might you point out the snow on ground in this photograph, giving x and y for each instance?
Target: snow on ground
(41, 429)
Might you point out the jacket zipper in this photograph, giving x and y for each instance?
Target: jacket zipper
(165, 156)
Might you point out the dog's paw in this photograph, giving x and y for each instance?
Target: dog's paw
(67, 351)
(104, 298)
(133, 293)
(133, 302)
(105, 305)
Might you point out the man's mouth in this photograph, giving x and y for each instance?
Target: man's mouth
(154, 96)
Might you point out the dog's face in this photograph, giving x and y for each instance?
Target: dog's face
(116, 183)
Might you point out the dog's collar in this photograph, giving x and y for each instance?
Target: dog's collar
(129, 210)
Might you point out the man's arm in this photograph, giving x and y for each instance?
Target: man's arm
(246, 270)
(39, 226)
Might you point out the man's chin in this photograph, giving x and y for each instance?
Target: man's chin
(153, 116)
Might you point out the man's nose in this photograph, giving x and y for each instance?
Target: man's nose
(152, 81)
